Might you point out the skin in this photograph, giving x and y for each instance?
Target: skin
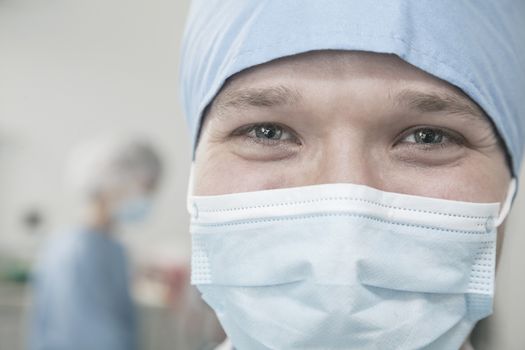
(348, 117)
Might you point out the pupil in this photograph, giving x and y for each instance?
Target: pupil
(267, 131)
(428, 136)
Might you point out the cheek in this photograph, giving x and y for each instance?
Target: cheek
(221, 172)
(474, 179)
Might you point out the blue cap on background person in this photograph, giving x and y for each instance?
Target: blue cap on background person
(476, 46)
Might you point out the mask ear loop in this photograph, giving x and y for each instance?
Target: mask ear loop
(189, 193)
(507, 204)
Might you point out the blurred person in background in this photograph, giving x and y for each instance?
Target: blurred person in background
(81, 296)
(354, 163)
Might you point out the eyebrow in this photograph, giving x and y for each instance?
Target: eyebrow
(422, 102)
(430, 102)
(273, 96)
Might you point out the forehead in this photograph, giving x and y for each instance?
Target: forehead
(293, 79)
(339, 65)
(336, 66)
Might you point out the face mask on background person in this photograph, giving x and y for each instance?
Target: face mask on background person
(133, 210)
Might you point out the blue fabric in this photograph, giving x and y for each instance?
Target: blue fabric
(477, 45)
(81, 298)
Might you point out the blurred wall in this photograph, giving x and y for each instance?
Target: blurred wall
(72, 69)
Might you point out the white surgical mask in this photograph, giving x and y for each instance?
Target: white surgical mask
(343, 266)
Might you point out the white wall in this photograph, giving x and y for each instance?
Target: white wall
(72, 68)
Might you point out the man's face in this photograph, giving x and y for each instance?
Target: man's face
(348, 117)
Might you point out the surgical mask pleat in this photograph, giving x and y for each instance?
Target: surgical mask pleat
(308, 268)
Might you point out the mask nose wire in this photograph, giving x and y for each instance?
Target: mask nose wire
(505, 208)
(504, 211)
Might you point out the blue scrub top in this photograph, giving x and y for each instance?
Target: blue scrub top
(81, 296)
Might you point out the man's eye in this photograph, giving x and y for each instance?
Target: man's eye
(265, 141)
(267, 133)
(429, 137)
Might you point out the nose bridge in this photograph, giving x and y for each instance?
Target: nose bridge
(347, 159)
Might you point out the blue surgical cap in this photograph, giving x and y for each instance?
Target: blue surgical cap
(476, 45)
